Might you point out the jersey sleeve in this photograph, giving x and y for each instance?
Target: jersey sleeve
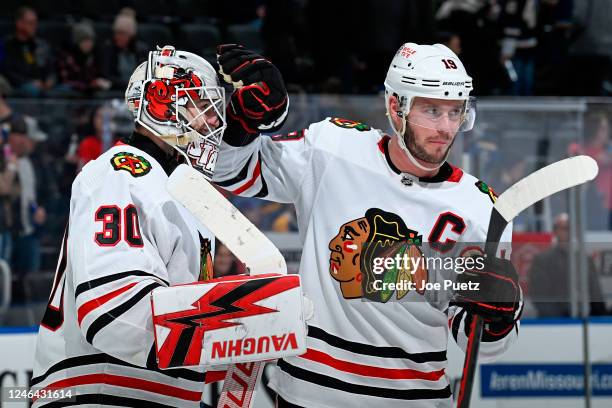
(119, 250)
(270, 167)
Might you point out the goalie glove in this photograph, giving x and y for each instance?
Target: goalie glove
(260, 101)
(498, 297)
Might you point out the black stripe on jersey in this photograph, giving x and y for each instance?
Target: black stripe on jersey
(184, 373)
(238, 177)
(102, 358)
(104, 399)
(108, 317)
(330, 382)
(85, 286)
(376, 351)
(457, 322)
(54, 317)
(264, 187)
(385, 145)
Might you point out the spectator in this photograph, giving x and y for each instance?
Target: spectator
(28, 58)
(28, 215)
(332, 42)
(251, 208)
(286, 221)
(284, 31)
(225, 262)
(555, 28)
(78, 67)
(98, 139)
(9, 191)
(518, 23)
(123, 52)
(6, 112)
(451, 40)
(475, 22)
(549, 277)
(598, 145)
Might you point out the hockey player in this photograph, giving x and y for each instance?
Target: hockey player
(353, 186)
(126, 236)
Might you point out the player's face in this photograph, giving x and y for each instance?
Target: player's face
(202, 116)
(346, 250)
(432, 126)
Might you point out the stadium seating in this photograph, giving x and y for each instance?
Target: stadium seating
(154, 35)
(199, 38)
(247, 35)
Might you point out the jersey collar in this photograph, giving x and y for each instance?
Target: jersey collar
(168, 161)
(447, 172)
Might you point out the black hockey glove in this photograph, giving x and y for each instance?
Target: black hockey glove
(260, 101)
(492, 292)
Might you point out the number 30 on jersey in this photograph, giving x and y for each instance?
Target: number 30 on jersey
(113, 219)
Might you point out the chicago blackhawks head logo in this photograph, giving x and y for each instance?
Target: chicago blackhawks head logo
(379, 234)
(137, 166)
(160, 95)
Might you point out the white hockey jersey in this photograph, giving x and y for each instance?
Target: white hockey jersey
(125, 237)
(339, 176)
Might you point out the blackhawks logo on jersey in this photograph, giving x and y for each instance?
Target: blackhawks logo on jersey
(137, 166)
(486, 189)
(350, 124)
(378, 234)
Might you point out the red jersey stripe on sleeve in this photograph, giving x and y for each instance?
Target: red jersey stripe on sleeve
(89, 306)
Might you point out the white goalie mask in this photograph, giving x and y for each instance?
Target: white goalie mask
(176, 96)
(429, 71)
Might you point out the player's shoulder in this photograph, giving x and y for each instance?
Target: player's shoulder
(478, 190)
(333, 130)
(123, 168)
(344, 127)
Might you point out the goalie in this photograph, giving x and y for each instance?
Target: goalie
(354, 187)
(128, 238)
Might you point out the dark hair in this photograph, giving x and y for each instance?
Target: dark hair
(18, 125)
(22, 11)
(444, 37)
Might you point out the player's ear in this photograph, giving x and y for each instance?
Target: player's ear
(392, 108)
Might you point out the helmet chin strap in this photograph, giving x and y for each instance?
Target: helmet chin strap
(181, 140)
(402, 143)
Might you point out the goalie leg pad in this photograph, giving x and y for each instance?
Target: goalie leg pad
(229, 320)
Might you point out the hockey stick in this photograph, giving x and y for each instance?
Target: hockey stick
(538, 185)
(193, 190)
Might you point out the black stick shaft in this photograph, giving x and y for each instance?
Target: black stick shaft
(497, 224)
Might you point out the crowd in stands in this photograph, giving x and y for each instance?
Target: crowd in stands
(510, 47)
(21, 215)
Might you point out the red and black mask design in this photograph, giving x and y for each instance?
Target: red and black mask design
(160, 94)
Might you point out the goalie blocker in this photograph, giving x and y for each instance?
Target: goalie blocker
(229, 320)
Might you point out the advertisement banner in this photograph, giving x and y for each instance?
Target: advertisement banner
(543, 380)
